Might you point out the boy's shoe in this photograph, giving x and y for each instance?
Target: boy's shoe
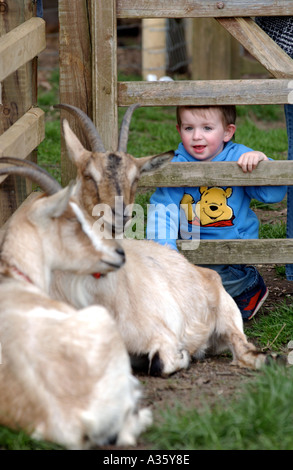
(250, 302)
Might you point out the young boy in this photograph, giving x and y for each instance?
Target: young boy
(218, 212)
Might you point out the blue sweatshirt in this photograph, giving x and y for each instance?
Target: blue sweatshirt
(207, 212)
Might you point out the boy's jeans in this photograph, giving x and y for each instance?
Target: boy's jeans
(236, 278)
(289, 123)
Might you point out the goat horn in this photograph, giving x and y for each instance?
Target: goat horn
(87, 126)
(124, 130)
(26, 163)
(42, 178)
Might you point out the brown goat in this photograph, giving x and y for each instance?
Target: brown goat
(108, 174)
(165, 307)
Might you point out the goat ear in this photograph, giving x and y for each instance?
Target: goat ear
(150, 164)
(74, 147)
(51, 206)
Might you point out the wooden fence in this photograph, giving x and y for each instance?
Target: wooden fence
(88, 69)
(88, 79)
(22, 124)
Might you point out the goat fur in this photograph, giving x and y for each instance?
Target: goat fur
(65, 375)
(164, 306)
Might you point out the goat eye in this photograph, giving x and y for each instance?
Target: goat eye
(72, 219)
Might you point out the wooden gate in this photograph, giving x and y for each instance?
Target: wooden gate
(88, 71)
(22, 124)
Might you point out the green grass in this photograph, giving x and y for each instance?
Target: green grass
(277, 230)
(262, 416)
(272, 142)
(152, 131)
(263, 128)
(19, 440)
(273, 330)
(50, 149)
(266, 114)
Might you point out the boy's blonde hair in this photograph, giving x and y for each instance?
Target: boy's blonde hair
(228, 113)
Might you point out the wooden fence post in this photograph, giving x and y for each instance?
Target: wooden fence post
(19, 93)
(75, 70)
(88, 75)
(104, 66)
(154, 51)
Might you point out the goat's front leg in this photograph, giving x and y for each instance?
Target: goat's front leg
(168, 357)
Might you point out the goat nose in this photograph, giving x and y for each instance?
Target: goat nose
(121, 252)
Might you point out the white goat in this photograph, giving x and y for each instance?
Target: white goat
(165, 307)
(65, 375)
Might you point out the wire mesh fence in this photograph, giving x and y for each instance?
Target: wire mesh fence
(130, 48)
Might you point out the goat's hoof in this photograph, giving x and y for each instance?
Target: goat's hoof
(275, 358)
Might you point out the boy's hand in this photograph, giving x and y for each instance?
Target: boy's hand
(249, 160)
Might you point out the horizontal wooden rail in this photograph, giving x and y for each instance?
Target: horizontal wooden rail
(23, 136)
(202, 8)
(246, 251)
(21, 45)
(208, 92)
(273, 173)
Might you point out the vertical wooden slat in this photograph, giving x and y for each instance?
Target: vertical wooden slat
(211, 52)
(104, 40)
(75, 69)
(18, 95)
(154, 50)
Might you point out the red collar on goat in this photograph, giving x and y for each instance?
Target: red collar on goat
(20, 273)
(97, 275)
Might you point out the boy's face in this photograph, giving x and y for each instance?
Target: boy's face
(203, 133)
